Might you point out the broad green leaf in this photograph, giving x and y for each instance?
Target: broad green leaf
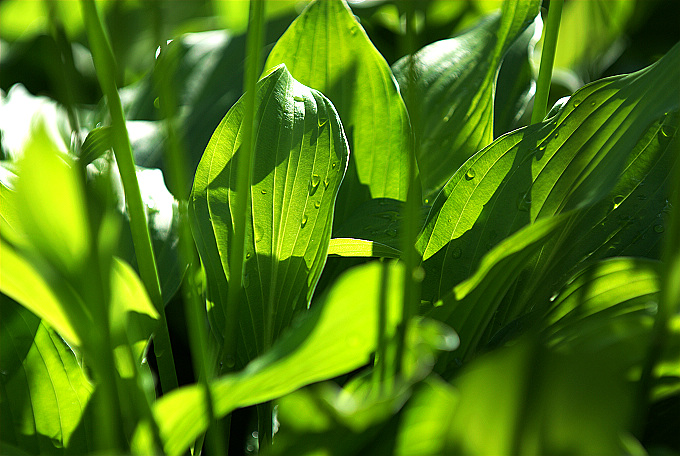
(526, 399)
(41, 291)
(51, 204)
(350, 247)
(336, 336)
(629, 221)
(570, 160)
(453, 91)
(470, 307)
(325, 48)
(44, 391)
(377, 220)
(299, 162)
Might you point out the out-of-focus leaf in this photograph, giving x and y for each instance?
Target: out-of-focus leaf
(327, 49)
(591, 35)
(570, 160)
(336, 336)
(300, 157)
(454, 89)
(44, 391)
(20, 112)
(51, 203)
(537, 401)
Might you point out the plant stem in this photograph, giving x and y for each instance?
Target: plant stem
(552, 28)
(241, 213)
(105, 65)
(411, 289)
(177, 162)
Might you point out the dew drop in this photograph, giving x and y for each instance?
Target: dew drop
(304, 221)
(317, 204)
(659, 228)
(446, 118)
(557, 134)
(229, 361)
(299, 98)
(542, 147)
(326, 182)
(577, 102)
(457, 252)
(323, 121)
(617, 201)
(667, 130)
(248, 255)
(263, 191)
(334, 165)
(592, 104)
(554, 296)
(470, 174)
(426, 201)
(157, 103)
(314, 183)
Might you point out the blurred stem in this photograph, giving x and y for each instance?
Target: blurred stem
(381, 361)
(552, 28)
(105, 66)
(176, 159)
(264, 425)
(411, 291)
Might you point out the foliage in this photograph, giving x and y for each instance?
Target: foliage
(373, 252)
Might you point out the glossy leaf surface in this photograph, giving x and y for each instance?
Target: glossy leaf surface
(454, 89)
(571, 160)
(336, 336)
(327, 49)
(300, 159)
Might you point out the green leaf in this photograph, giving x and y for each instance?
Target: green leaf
(325, 48)
(299, 162)
(571, 160)
(51, 204)
(454, 88)
(41, 291)
(526, 399)
(44, 391)
(97, 142)
(336, 336)
(472, 304)
(349, 247)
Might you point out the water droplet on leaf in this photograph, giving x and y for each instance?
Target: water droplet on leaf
(446, 118)
(298, 98)
(659, 228)
(524, 202)
(314, 183)
(577, 102)
(317, 204)
(263, 191)
(617, 201)
(304, 221)
(326, 182)
(456, 253)
(470, 174)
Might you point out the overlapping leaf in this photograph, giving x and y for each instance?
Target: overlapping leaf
(453, 91)
(571, 160)
(44, 390)
(300, 159)
(325, 48)
(336, 336)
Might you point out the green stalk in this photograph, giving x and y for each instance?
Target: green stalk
(552, 28)
(105, 65)
(177, 162)
(410, 215)
(254, 41)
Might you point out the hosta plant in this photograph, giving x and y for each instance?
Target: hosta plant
(375, 258)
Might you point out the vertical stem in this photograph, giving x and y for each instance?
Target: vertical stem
(177, 162)
(105, 65)
(411, 209)
(552, 28)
